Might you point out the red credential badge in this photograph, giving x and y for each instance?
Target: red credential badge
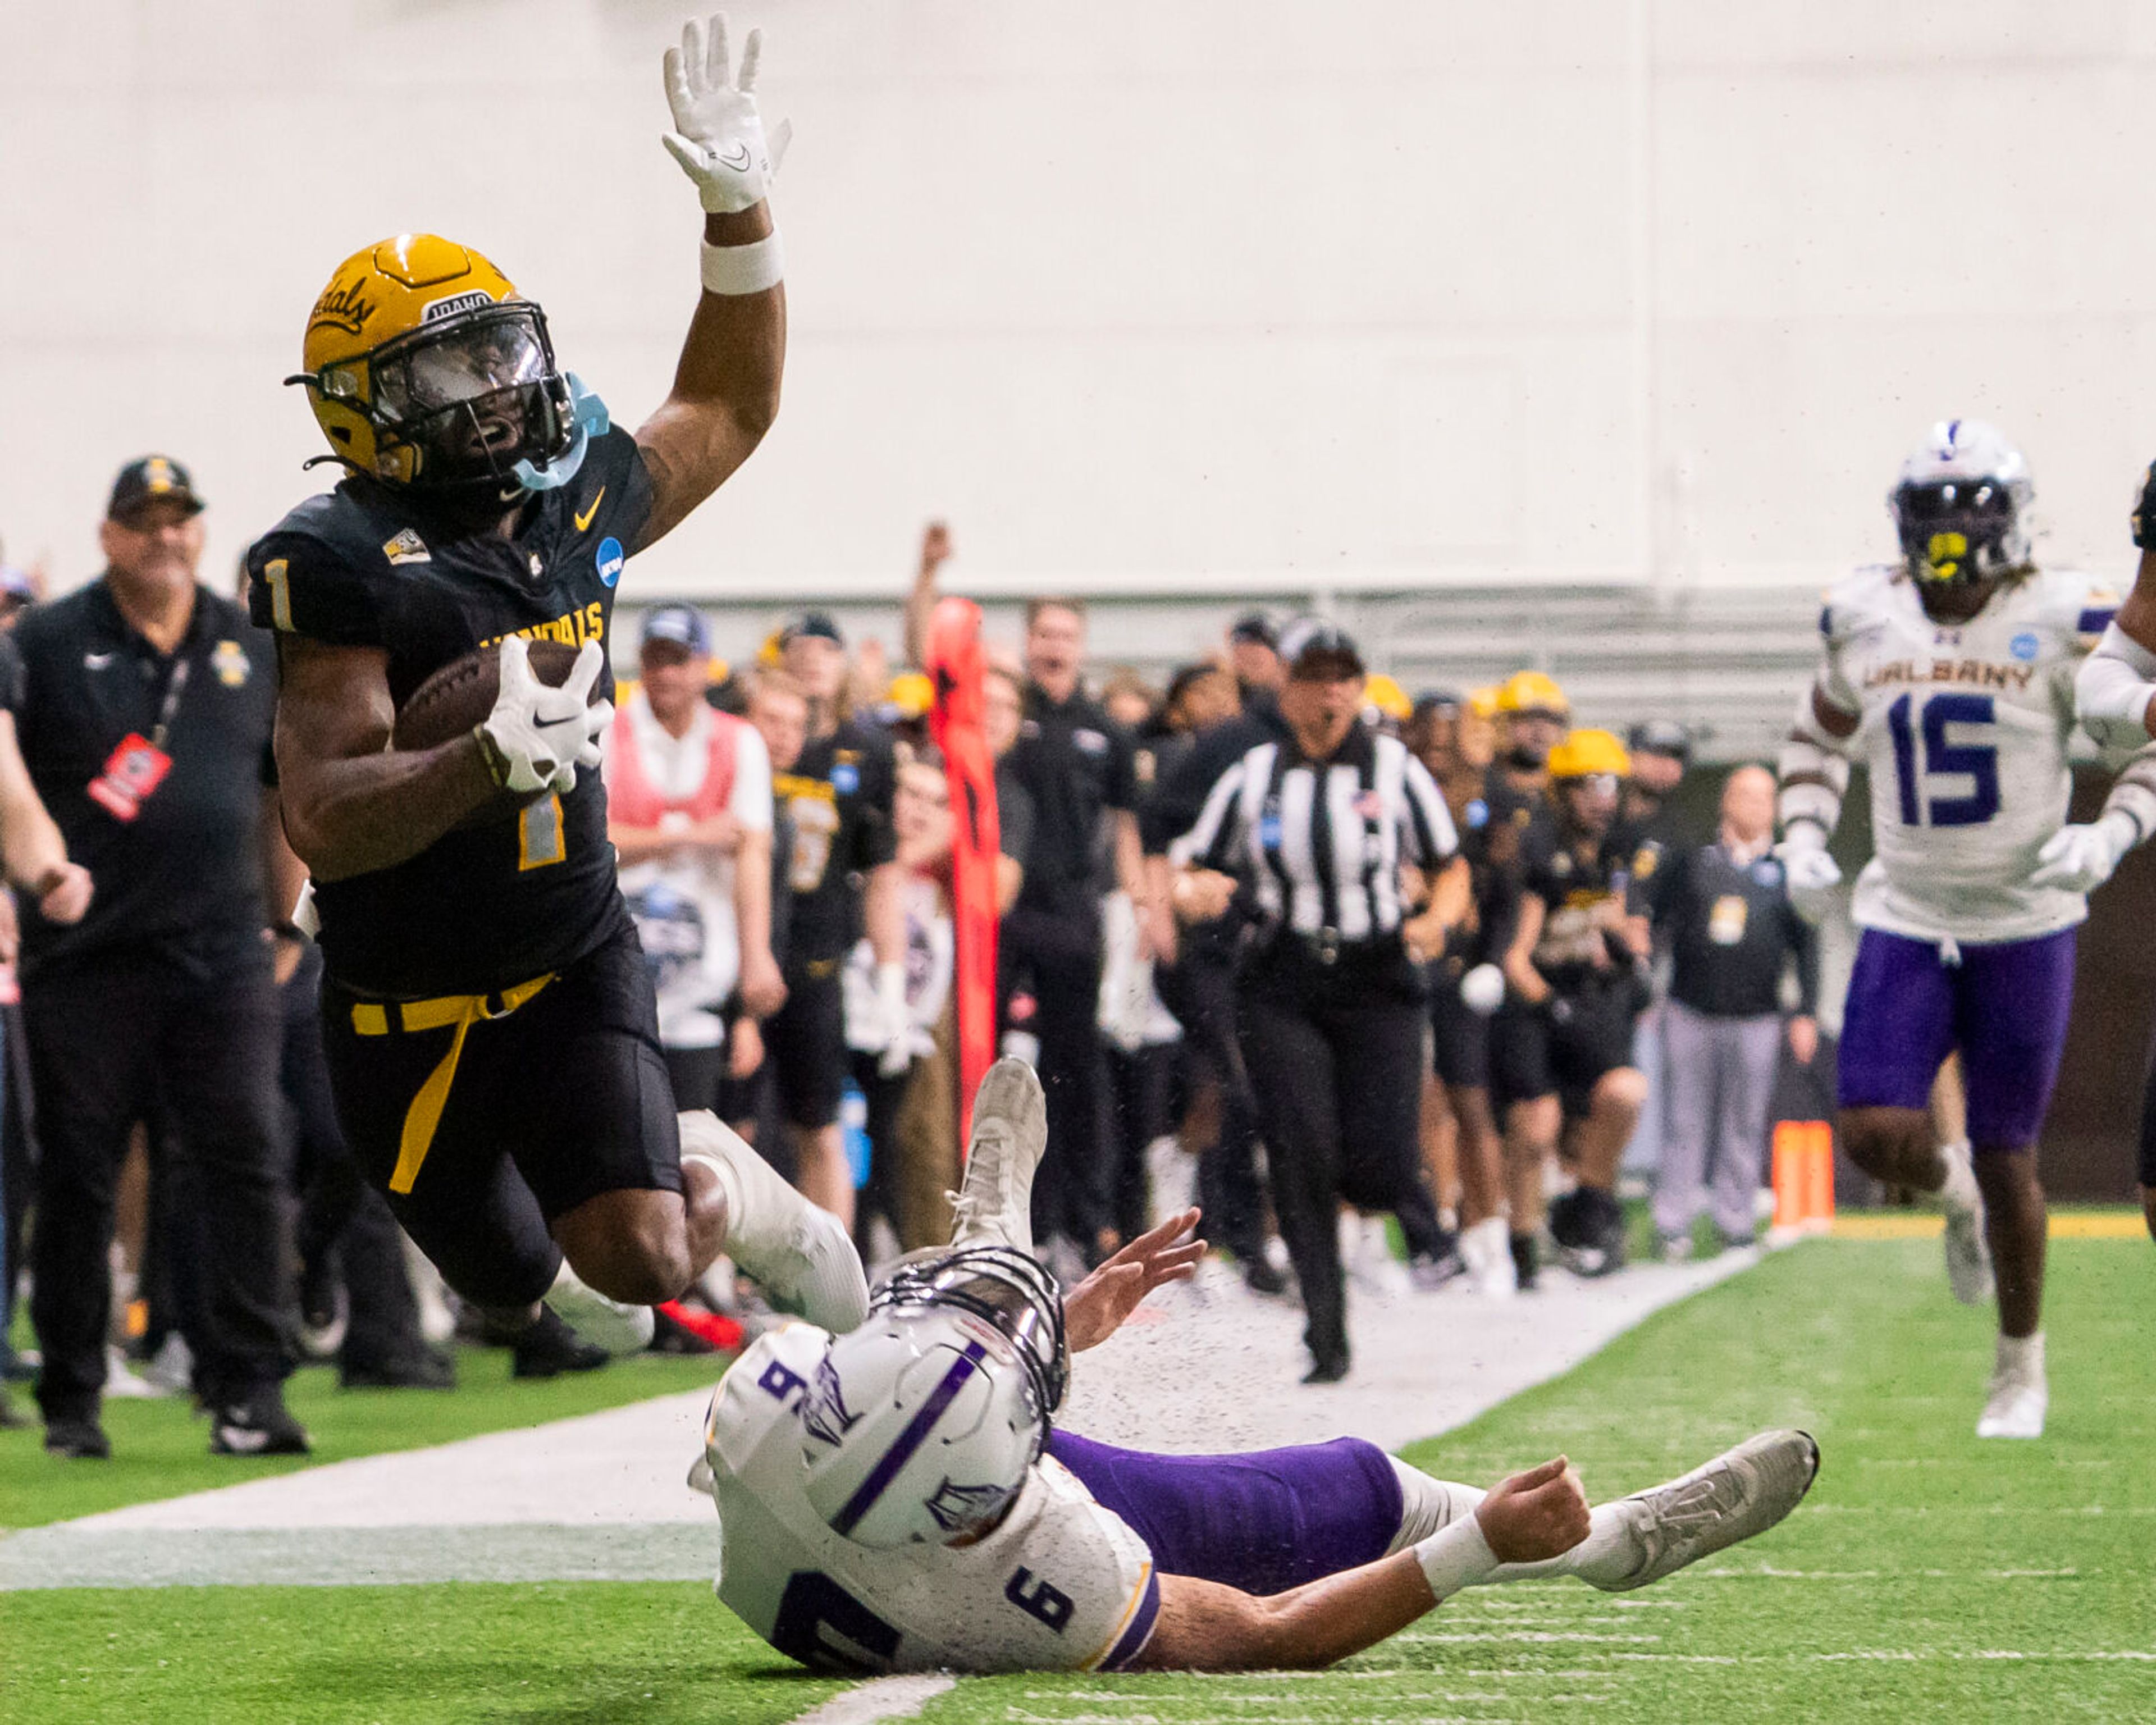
(135, 769)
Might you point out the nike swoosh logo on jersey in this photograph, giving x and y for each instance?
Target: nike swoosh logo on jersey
(584, 520)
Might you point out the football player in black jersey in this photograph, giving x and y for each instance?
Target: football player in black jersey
(489, 1021)
(843, 883)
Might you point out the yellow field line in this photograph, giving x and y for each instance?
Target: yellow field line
(2114, 1225)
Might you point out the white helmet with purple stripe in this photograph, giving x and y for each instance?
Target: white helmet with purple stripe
(919, 1426)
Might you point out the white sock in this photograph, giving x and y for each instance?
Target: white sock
(1958, 1187)
(2021, 1355)
(1607, 1554)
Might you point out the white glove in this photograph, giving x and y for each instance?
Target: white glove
(897, 1027)
(1811, 873)
(2080, 859)
(537, 737)
(718, 135)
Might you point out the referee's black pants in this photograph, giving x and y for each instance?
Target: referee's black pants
(1335, 1051)
(116, 1037)
(1059, 951)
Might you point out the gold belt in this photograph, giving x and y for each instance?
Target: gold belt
(370, 1018)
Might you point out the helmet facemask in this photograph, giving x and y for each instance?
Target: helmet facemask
(459, 403)
(1959, 534)
(1006, 1290)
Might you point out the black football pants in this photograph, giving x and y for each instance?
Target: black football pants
(115, 1038)
(1337, 1067)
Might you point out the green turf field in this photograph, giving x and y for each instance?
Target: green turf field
(160, 1449)
(1927, 1576)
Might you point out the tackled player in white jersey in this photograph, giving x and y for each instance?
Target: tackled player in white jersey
(1950, 674)
(894, 1498)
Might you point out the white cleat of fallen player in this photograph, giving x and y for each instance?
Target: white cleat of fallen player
(993, 1205)
(1969, 1258)
(606, 1323)
(2019, 1396)
(799, 1253)
(1742, 1492)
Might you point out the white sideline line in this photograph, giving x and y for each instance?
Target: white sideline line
(885, 1698)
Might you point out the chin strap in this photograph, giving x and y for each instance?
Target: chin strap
(587, 415)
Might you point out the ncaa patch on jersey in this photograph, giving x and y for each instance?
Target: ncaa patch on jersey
(609, 559)
(2025, 645)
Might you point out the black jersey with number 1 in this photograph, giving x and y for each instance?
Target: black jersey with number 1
(515, 897)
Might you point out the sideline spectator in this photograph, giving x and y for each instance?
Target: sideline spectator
(1455, 745)
(1661, 753)
(1733, 932)
(912, 1172)
(1076, 766)
(842, 881)
(1332, 1001)
(1254, 656)
(773, 702)
(1562, 1045)
(689, 809)
(146, 723)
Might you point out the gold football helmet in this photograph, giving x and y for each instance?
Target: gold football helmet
(426, 369)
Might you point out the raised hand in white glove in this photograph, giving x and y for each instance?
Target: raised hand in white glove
(1812, 874)
(897, 1020)
(2080, 859)
(718, 135)
(537, 737)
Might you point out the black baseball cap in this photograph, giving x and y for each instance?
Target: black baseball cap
(1659, 736)
(1314, 648)
(682, 625)
(1255, 626)
(1443, 702)
(152, 479)
(819, 624)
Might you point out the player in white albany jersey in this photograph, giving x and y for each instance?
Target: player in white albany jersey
(1951, 674)
(893, 1498)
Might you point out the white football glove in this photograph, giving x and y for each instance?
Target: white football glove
(1811, 874)
(2080, 859)
(718, 135)
(537, 737)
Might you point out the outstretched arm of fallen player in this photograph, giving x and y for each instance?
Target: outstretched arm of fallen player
(350, 805)
(1206, 1627)
(1094, 1309)
(725, 387)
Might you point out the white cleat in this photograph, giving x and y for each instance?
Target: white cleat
(606, 1323)
(799, 1253)
(2020, 1395)
(1969, 1257)
(1486, 1247)
(993, 1204)
(1741, 1493)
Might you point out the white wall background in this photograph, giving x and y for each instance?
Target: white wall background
(1403, 292)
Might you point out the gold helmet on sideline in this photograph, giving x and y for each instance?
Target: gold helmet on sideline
(1385, 694)
(425, 368)
(1483, 702)
(1585, 753)
(1532, 691)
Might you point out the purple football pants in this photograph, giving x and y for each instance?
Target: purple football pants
(2004, 1005)
(1264, 1522)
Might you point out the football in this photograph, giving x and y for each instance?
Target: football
(459, 696)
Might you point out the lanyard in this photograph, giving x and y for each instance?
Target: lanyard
(176, 685)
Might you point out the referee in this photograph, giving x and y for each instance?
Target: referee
(1320, 823)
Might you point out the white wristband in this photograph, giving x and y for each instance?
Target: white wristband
(736, 269)
(1456, 1557)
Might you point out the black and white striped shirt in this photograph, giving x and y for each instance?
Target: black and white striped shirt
(1326, 866)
